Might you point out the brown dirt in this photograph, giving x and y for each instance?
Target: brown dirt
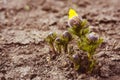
(25, 23)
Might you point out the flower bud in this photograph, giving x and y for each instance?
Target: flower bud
(67, 35)
(58, 40)
(52, 35)
(76, 58)
(75, 21)
(92, 36)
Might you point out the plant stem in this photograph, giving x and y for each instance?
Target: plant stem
(92, 65)
(70, 50)
(53, 49)
(65, 48)
(92, 62)
(58, 47)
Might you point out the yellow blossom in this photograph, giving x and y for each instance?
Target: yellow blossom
(72, 13)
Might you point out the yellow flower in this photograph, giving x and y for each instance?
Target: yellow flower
(72, 13)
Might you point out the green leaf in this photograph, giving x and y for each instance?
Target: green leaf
(73, 31)
(85, 31)
(100, 41)
(84, 22)
(92, 65)
(76, 66)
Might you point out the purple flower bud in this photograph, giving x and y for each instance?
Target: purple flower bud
(75, 21)
(92, 36)
(67, 35)
(58, 40)
(76, 57)
(52, 35)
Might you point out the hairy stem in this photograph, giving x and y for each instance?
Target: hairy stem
(58, 47)
(92, 62)
(53, 49)
(65, 47)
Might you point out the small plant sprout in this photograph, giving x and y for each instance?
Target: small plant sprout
(76, 61)
(61, 43)
(50, 40)
(87, 42)
(93, 42)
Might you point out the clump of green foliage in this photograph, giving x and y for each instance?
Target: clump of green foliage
(60, 43)
(87, 41)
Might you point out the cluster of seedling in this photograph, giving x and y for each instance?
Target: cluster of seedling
(87, 41)
(59, 44)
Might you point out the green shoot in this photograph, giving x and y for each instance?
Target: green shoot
(50, 40)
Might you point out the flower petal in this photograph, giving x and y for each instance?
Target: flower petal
(72, 13)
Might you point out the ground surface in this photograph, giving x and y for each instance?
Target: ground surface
(25, 23)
